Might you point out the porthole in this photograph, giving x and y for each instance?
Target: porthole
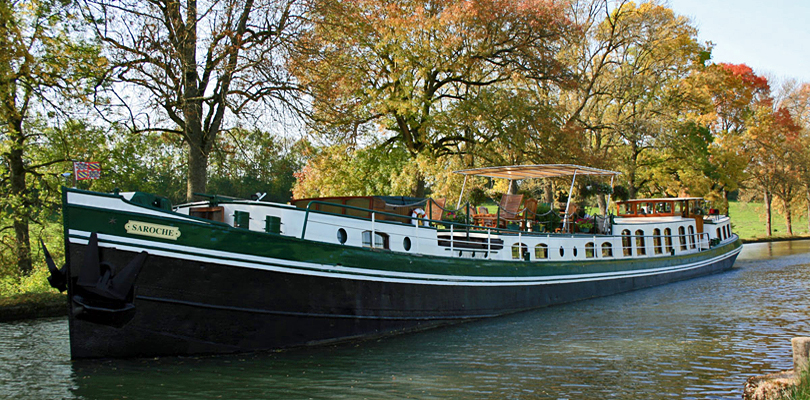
(575, 251)
(562, 251)
(406, 243)
(342, 236)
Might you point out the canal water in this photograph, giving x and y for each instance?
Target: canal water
(698, 339)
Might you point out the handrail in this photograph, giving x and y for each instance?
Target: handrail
(700, 243)
(419, 219)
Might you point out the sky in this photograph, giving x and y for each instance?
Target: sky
(772, 36)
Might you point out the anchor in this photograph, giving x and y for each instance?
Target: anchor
(102, 293)
(58, 278)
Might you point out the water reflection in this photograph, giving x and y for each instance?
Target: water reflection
(690, 340)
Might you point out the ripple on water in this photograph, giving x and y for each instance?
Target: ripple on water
(698, 339)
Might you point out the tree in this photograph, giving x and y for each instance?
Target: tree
(796, 99)
(196, 64)
(629, 64)
(403, 66)
(44, 67)
(772, 141)
(726, 97)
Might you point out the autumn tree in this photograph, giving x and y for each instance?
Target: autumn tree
(628, 63)
(772, 141)
(398, 68)
(796, 99)
(191, 68)
(45, 67)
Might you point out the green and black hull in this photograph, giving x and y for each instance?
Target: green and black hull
(219, 289)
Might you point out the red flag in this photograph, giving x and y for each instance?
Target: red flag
(87, 170)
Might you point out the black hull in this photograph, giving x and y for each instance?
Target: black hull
(184, 307)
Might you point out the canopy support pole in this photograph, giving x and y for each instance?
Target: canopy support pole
(460, 196)
(568, 203)
(607, 204)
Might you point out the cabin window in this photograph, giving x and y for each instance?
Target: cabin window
(719, 235)
(342, 236)
(406, 243)
(728, 231)
(518, 250)
(682, 237)
(668, 239)
(657, 246)
(590, 251)
(562, 251)
(575, 251)
(541, 251)
(663, 208)
(691, 236)
(641, 248)
(607, 250)
(380, 240)
(627, 244)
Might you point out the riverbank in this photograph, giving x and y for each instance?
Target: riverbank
(32, 305)
(774, 239)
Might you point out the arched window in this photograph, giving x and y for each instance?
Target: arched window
(719, 235)
(589, 250)
(682, 237)
(691, 237)
(668, 239)
(659, 248)
(518, 250)
(641, 248)
(627, 243)
(541, 251)
(607, 250)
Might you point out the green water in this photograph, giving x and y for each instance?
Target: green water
(698, 339)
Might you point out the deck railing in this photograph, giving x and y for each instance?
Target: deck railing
(660, 245)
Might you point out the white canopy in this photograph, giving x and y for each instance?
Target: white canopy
(517, 172)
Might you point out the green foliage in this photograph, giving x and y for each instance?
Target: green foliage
(547, 217)
(12, 283)
(340, 170)
(250, 162)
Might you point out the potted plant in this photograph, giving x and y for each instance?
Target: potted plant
(585, 225)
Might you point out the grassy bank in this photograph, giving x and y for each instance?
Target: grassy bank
(748, 221)
(32, 305)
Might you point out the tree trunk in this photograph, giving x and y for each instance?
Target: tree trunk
(788, 217)
(548, 194)
(197, 177)
(419, 189)
(768, 212)
(808, 207)
(198, 140)
(602, 202)
(22, 241)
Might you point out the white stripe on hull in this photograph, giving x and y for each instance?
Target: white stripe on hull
(340, 272)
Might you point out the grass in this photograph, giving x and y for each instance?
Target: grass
(748, 221)
(802, 390)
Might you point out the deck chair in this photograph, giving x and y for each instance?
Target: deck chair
(509, 209)
(436, 208)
